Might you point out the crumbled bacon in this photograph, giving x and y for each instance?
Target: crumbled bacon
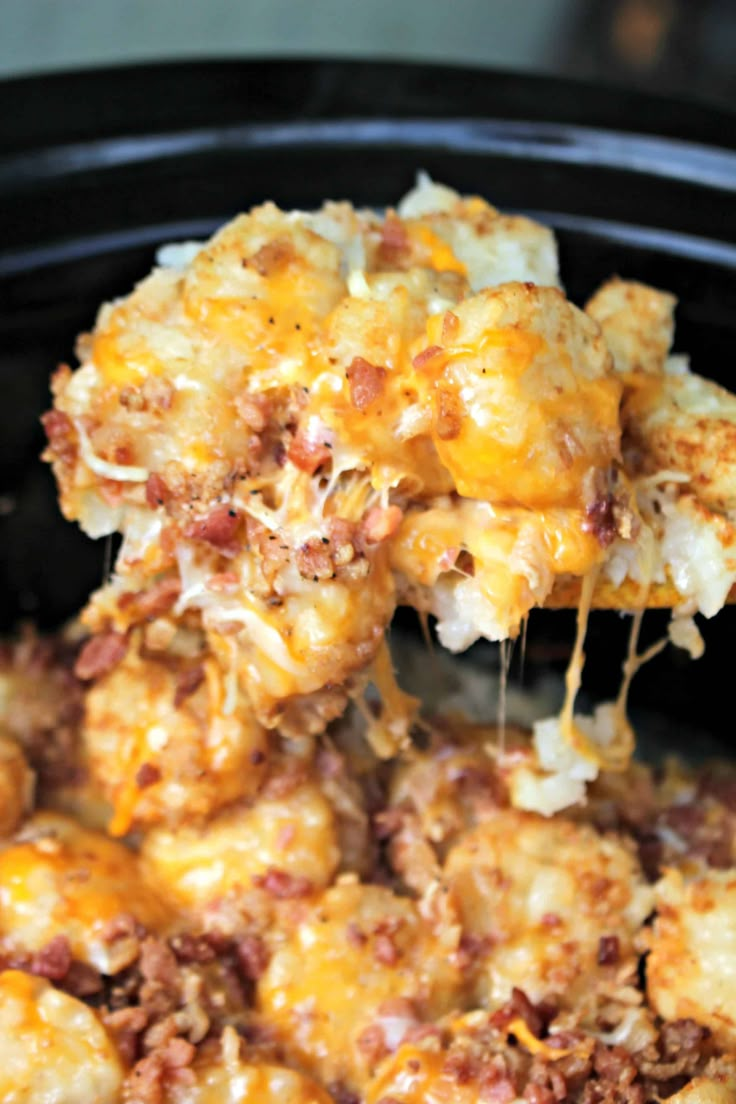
(254, 410)
(53, 960)
(314, 560)
(615, 1064)
(395, 245)
(380, 523)
(385, 949)
(100, 655)
(81, 980)
(187, 683)
(145, 605)
(600, 520)
(61, 435)
(158, 963)
(282, 885)
(609, 950)
(148, 774)
(448, 418)
(157, 490)
(125, 1025)
(427, 356)
(520, 1007)
(253, 956)
(372, 1044)
(307, 454)
(271, 257)
(218, 528)
(450, 326)
(151, 1074)
(366, 382)
(122, 926)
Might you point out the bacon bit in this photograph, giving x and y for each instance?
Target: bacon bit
(614, 1063)
(366, 382)
(218, 528)
(100, 655)
(158, 963)
(179, 1053)
(271, 257)
(186, 684)
(147, 775)
(600, 520)
(123, 454)
(380, 523)
(314, 561)
(253, 956)
(539, 1094)
(372, 1044)
(82, 980)
(450, 326)
(122, 926)
(395, 244)
(157, 491)
(197, 948)
(146, 605)
(355, 937)
(282, 885)
(255, 411)
(520, 1006)
(385, 950)
(53, 960)
(551, 920)
(61, 435)
(461, 1067)
(125, 1025)
(471, 948)
(306, 454)
(609, 950)
(448, 420)
(431, 353)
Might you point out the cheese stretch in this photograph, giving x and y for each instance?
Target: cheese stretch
(316, 417)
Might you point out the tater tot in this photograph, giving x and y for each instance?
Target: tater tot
(53, 1049)
(691, 968)
(551, 907)
(58, 879)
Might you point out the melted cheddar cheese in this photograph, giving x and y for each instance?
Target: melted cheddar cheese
(58, 879)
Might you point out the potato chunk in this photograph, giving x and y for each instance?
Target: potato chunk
(691, 970)
(361, 963)
(550, 906)
(53, 1049)
(160, 756)
(637, 323)
(58, 879)
(526, 405)
(293, 835)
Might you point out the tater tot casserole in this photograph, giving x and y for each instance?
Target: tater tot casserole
(239, 862)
